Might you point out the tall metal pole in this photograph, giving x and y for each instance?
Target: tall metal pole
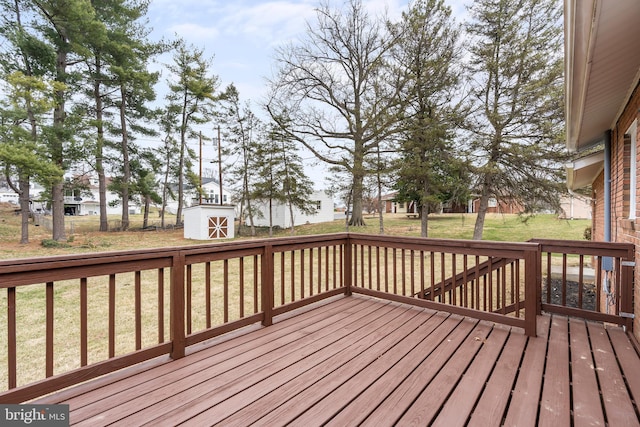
(220, 165)
(200, 189)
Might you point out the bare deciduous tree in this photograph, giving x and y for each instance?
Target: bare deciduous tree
(336, 88)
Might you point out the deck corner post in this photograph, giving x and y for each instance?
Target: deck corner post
(626, 303)
(531, 285)
(177, 311)
(266, 285)
(348, 266)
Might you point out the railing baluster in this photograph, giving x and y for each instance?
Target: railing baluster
(326, 267)
(160, 305)
(138, 309)
(517, 280)
(241, 285)
(580, 281)
(353, 260)
(189, 307)
(433, 276)
(454, 284)
(422, 273)
(302, 274)
(386, 269)
(362, 266)
(112, 315)
(282, 278)
(293, 276)
(11, 338)
(465, 280)
(256, 275)
(320, 270)
(310, 271)
(49, 330)
(564, 280)
(207, 293)
(378, 268)
(403, 272)
(370, 267)
(549, 278)
(83, 322)
(225, 291)
(395, 272)
(442, 278)
(413, 279)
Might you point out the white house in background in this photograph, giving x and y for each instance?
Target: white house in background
(87, 201)
(575, 206)
(282, 216)
(210, 196)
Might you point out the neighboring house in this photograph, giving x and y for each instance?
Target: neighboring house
(391, 205)
(498, 206)
(602, 66)
(210, 195)
(575, 206)
(282, 217)
(87, 201)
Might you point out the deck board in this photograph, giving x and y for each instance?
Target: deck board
(555, 404)
(467, 392)
(586, 398)
(363, 361)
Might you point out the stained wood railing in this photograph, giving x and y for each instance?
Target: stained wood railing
(493, 281)
(592, 280)
(73, 318)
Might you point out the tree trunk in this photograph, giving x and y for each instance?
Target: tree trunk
(25, 210)
(482, 213)
(270, 217)
(424, 220)
(57, 212)
(147, 203)
(165, 189)
(357, 219)
(126, 170)
(102, 180)
(183, 143)
(57, 189)
(293, 226)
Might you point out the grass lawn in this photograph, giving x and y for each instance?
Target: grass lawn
(449, 226)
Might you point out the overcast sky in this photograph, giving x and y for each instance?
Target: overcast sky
(241, 35)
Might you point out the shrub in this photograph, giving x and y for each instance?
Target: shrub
(50, 243)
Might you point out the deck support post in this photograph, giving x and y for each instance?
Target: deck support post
(348, 266)
(626, 297)
(266, 284)
(177, 306)
(531, 292)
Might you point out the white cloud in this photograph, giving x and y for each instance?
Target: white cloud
(268, 22)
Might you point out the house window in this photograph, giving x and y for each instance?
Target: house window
(632, 132)
(493, 203)
(318, 205)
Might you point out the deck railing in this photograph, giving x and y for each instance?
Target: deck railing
(73, 318)
(488, 280)
(592, 280)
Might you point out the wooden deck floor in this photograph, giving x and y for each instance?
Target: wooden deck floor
(362, 361)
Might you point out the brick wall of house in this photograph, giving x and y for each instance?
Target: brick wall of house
(624, 229)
